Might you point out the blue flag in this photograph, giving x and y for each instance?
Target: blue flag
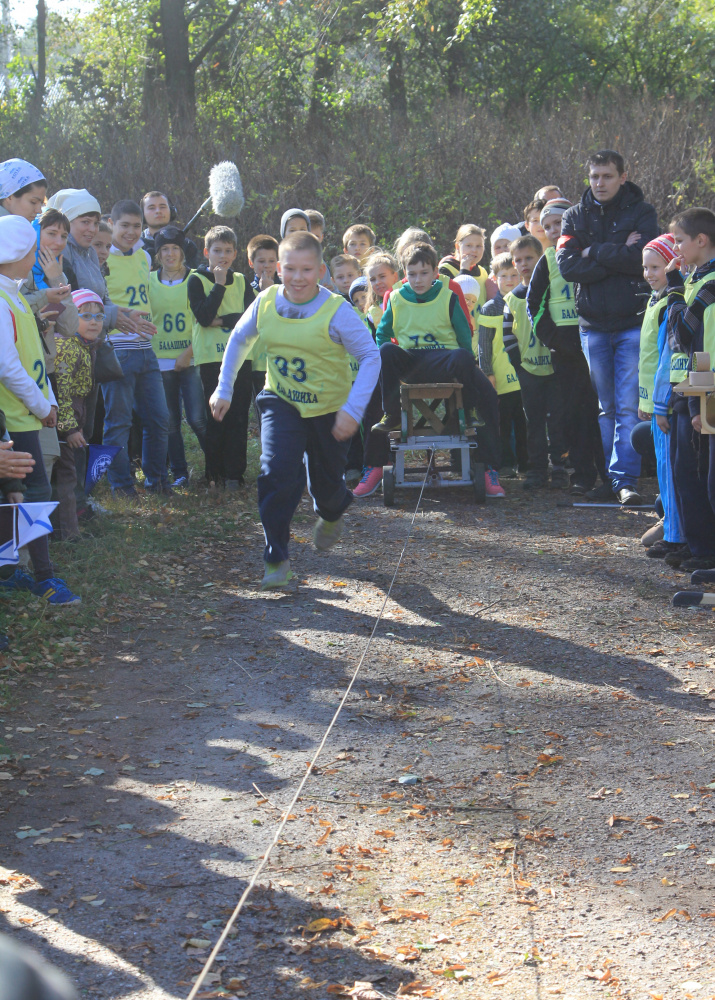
(99, 458)
(29, 521)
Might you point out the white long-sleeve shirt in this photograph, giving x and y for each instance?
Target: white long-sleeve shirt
(346, 328)
(12, 375)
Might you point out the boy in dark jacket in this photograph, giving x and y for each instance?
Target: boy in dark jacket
(600, 251)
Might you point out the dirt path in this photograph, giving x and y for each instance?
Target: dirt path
(530, 672)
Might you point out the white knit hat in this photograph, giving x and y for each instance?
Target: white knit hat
(17, 238)
(505, 232)
(74, 202)
(468, 284)
(16, 174)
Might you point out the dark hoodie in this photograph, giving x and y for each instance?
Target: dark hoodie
(609, 287)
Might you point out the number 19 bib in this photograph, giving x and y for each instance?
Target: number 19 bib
(303, 365)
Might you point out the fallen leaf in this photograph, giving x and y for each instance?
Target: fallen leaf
(387, 834)
(322, 924)
(612, 820)
(666, 916)
(267, 725)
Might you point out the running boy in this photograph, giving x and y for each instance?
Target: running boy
(307, 407)
(217, 296)
(540, 391)
(141, 388)
(498, 364)
(691, 327)
(554, 320)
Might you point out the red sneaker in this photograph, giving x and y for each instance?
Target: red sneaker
(371, 479)
(491, 482)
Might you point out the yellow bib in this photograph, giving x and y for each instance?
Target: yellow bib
(535, 358)
(561, 303)
(305, 367)
(171, 315)
(424, 325)
(679, 362)
(504, 372)
(648, 357)
(29, 349)
(210, 341)
(128, 280)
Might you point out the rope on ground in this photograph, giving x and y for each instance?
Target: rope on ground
(281, 826)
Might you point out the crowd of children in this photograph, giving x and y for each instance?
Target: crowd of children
(128, 304)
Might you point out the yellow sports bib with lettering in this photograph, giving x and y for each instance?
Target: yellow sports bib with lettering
(648, 357)
(29, 349)
(305, 368)
(424, 326)
(128, 280)
(210, 341)
(561, 303)
(504, 372)
(171, 315)
(535, 358)
(680, 362)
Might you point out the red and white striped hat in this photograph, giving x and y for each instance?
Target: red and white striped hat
(663, 245)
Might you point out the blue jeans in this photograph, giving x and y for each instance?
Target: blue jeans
(184, 387)
(613, 363)
(285, 438)
(142, 390)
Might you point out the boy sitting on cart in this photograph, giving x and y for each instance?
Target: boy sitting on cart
(425, 337)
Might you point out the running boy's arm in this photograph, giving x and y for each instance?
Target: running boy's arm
(537, 303)
(13, 376)
(204, 307)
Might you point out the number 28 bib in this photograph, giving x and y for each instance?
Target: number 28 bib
(304, 366)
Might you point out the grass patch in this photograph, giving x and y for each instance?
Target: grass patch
(133, 556)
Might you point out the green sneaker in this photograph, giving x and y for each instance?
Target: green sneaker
(388, 423)
(277, 575)
(327, 533)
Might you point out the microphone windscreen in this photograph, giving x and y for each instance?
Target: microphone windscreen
(226, 189)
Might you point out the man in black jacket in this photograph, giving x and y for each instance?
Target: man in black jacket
(600, 250)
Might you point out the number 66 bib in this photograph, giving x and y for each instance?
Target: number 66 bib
(304, 366)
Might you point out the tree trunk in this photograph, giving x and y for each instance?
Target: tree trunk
(41, 79)
(396, 92)
(152, 58)
(322, 81)
(178, 71)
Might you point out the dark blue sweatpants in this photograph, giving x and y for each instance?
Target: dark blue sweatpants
(689, 456)
(286, 438)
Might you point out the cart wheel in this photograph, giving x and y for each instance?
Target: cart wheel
(388, 486)
(480, 491)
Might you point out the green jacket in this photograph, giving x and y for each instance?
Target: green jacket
(462, 329)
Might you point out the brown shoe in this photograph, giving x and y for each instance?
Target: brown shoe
(653, 535)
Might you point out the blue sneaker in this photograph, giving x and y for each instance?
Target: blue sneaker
(56, 591)
(180, 483)
(18, 581)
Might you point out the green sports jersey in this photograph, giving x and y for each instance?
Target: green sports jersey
(535, 358)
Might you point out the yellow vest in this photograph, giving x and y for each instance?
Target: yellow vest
(561, 303)
(424, 325)
(480, 276)
(305, 368)
(648, 357)
(210, 341)
(128, 280)
(679, 362)
(535, 358)
(504, 372)
(171, 315)
(29, 349)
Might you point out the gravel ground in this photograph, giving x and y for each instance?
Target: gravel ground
(557, 713)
